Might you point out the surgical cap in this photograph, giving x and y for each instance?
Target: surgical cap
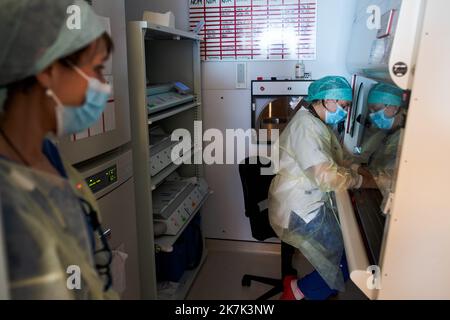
(386, 94)
(36, 33)
(332, 87)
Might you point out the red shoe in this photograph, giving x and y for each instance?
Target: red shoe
(291, 290)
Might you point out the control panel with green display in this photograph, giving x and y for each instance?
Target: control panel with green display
(102, 179)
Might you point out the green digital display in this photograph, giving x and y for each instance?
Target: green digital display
(103, 179)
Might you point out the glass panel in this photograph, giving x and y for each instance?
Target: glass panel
(380, 148)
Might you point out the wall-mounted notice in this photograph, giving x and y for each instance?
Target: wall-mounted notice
(256, 29)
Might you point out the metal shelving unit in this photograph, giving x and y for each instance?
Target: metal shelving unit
(159, 55)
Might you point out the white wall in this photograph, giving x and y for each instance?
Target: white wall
(225, 107)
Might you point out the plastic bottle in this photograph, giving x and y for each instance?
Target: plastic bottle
(299, 70)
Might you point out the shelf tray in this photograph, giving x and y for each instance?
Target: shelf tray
(170, 112)
(166, 242)
(167, 171)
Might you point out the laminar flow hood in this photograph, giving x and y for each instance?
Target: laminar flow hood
(385, 40)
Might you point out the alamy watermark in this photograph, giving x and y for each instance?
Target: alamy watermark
(374, 280)
(73, 21)
(374, 20)
(74, 279)
(214, 146)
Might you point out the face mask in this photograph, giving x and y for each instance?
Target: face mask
(336, 117)
(76, 119)
(380, 120)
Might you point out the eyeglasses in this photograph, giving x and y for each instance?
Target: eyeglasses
(346, 105)
(377, 108)
(102, 257)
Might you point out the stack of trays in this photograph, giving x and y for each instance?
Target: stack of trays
(160, 150)
(175, 201)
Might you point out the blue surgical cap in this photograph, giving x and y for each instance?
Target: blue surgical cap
(36, 33)
(387, 94)
(331, 87)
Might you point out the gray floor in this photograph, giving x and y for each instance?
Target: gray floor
(227, 261)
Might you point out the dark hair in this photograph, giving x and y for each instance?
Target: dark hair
(314, 102)
(74, 58)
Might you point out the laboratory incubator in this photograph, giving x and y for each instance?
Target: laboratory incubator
(274, 103)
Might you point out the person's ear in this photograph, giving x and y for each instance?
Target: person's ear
(46, 77)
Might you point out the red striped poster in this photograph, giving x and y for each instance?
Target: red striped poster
(256, 29)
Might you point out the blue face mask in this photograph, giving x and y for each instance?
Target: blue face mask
(380, 120)
(76, 119)
(336, 117)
